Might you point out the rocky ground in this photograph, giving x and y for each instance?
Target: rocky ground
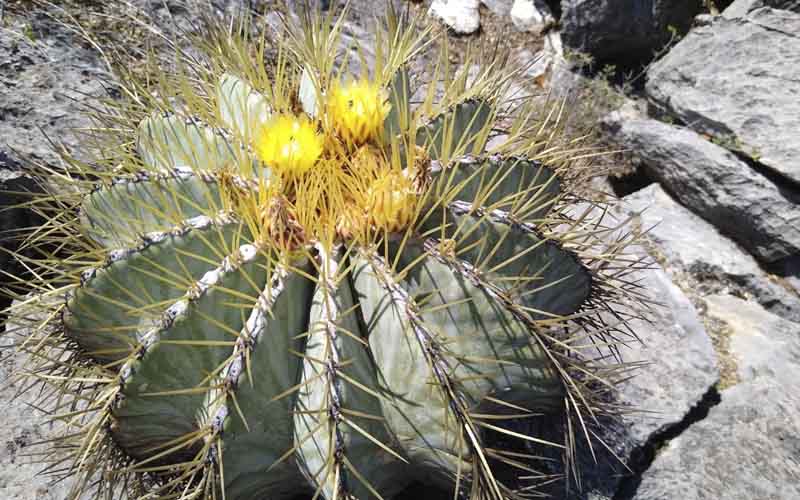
(712, 171)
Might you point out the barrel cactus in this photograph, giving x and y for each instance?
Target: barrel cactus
(276, 277)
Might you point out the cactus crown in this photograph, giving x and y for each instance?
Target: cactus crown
(283, 279)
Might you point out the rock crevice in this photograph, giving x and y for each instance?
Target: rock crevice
(716, 185)
(643, 456)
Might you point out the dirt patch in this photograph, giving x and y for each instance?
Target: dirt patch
(720, 333)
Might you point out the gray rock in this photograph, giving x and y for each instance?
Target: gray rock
(748, 445)
(746, 448)
(703, 20)
(20, 477)
(533, 16)
(624, 31)
(740, 8)
(41, 84)
(738, 80)
(681, 362)
(500, 8)
(760, 343)
(461, 16)
(794, 281)
(354, 45)
(681, 366)
(694, 250)
(744, 205)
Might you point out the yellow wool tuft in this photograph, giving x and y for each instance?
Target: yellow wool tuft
(289, 145)
(357, 111)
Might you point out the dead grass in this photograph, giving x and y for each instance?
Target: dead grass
(720, 333)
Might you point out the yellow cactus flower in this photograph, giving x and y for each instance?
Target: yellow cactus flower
(391, 201)
(289, 144)
(358, 110)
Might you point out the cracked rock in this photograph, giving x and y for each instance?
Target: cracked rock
(760, 215)
(712, 263)
(681, 365)
(738, 80)
(41, 83)
(748, 446)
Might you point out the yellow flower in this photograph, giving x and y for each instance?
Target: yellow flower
(358, 110)
(391, 201)
(289, 144)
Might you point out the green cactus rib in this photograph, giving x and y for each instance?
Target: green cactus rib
(113, 303)
(537, 273)
(264, 366)
(459, 131)
(435, 321)
(117, 215)
(342, 442)
(525, 187)
(414, 382)
(169, 141)
(516, 398)
(242, 109)
(164, 389)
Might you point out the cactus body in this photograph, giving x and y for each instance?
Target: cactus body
(262, 332)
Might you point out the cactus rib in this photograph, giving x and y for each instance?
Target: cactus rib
(161, 379)
(257, 382)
